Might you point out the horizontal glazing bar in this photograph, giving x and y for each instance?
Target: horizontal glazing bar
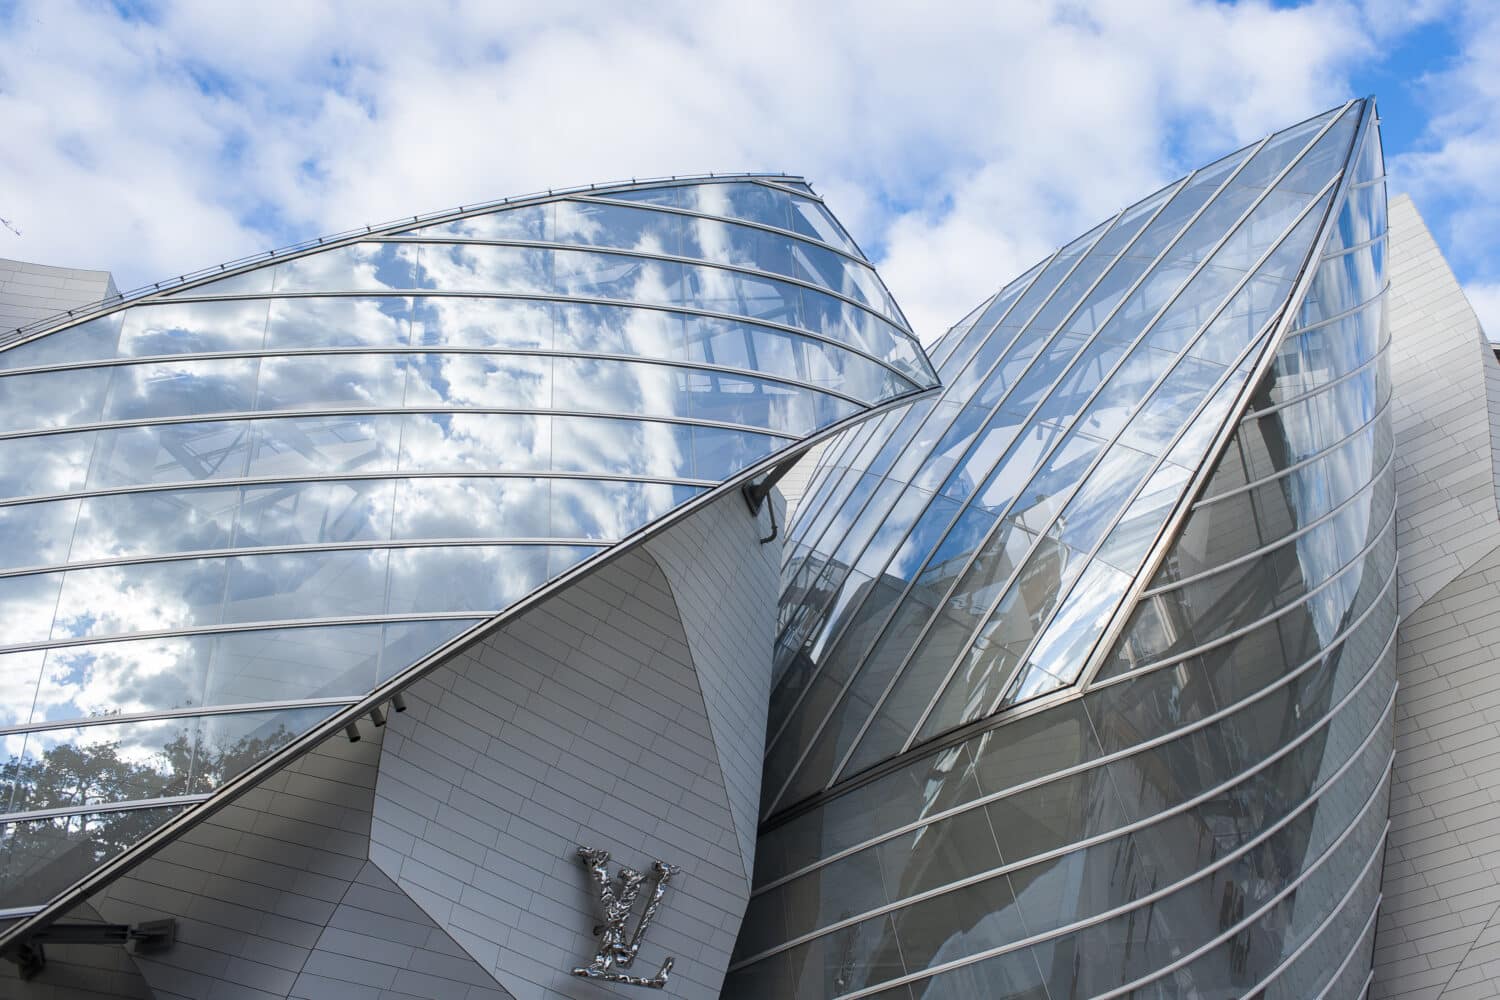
(1346, 251)
(1377, 853)
(772, 276)
(586, 300)
(1108, 835)
(1304, 463)
(1162, 738)
(434, 349)
(1358, 941)
(178, 713)
(1333, 915)
(195, 484)
(390, 543)
(1163, 892)
(102, 807)
(249, 627)
(1316, 390)
(1240, 560)
(1243, 630)
(672, 210)
(531, 411)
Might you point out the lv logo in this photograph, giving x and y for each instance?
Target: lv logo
(617, 899)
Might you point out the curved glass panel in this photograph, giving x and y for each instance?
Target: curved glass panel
(1112, 368)
(958, 763)
(278, 489)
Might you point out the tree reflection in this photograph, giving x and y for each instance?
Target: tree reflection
(41, 857)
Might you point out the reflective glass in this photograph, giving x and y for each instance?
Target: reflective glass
(181, 388)
(36, 534)
(501, 324)
(302, 323)
(94, 340)
(43, 857)
(52, 399)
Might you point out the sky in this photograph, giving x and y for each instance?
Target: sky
(960, 142)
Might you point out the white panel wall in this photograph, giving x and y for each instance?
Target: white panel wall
(586, 722)
(29, 292)
(1439, 928)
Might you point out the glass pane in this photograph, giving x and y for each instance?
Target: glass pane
(194, 327)
(44, 857)
(338, 322)
(479, 578)
(472, 508)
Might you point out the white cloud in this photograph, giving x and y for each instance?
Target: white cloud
(958, 147)
(1451, 174)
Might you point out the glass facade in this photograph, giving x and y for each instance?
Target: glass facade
(1085, 668)
(232, 509)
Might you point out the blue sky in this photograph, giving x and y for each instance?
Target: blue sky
(960, 141)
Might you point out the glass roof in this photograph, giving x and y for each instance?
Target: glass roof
(964, 556)
(230, 510)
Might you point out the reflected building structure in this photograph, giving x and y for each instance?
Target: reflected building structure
(1085, 674)
(1073, 671)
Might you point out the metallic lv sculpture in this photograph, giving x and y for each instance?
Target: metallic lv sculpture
(615, 951)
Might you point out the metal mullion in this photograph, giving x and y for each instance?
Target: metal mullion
(373, 544)
(1346, 251)
(1327, 922)
(1072, 847)
(1377, 852)
(196, 484)
(980, 387)
(640, 255)
(1365, 489)
(1259, 342)
(1124, 753)
(482, 626)
(1160, 545)
(1083, 348)
(437, 293)
(1095, 682)
(916, 432)
(260, 626)
(399, 349)
(103, 807)
(764, 181)
(367, 411)
(244, 265)
(1316, 390)
(1316, 456)
(1134, 285)
(1012, 683)
(1296, 332)
(906, 447)
(587, 199)
(1165, 891)
(1367, 930)
(855, 446)
(192, 711)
